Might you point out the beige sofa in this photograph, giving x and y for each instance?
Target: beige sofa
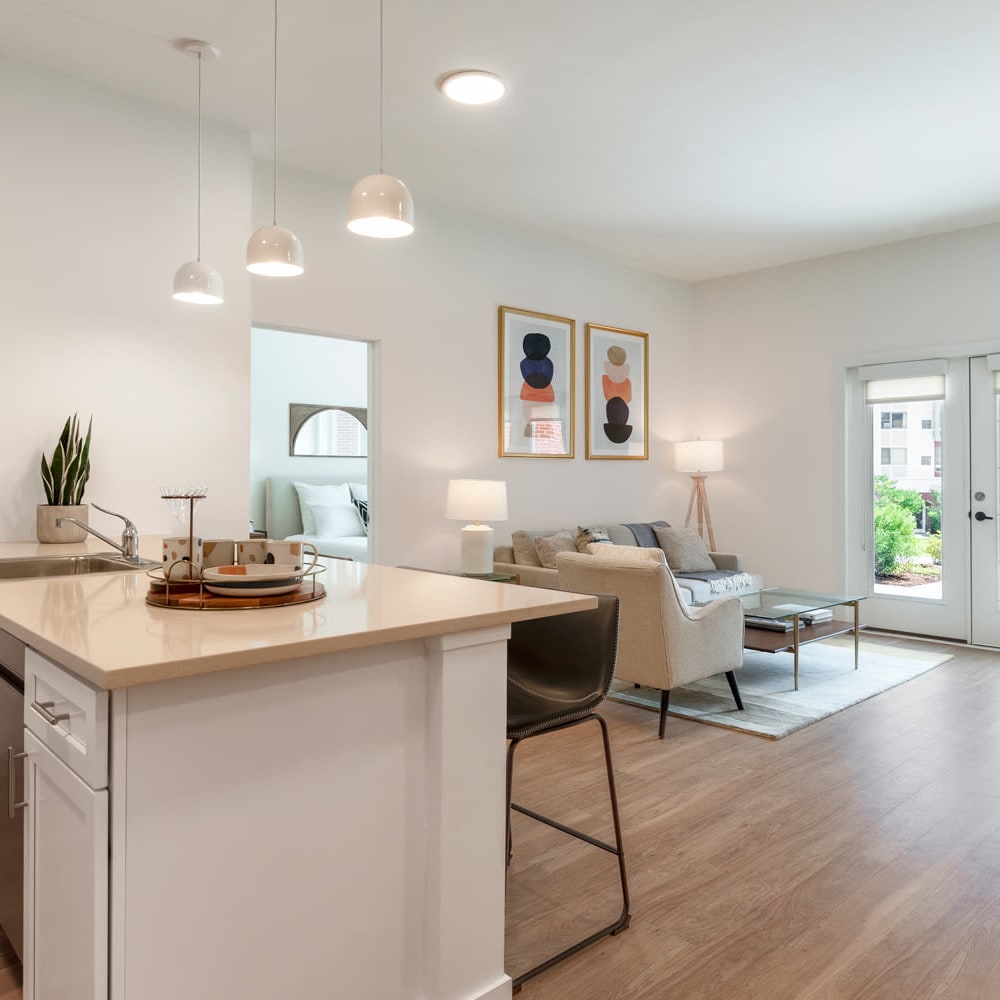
(521, 559)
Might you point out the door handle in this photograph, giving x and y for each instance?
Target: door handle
(12, 806)
(980, 516)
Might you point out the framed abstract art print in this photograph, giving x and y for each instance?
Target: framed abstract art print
(617, 384)
(536, 392)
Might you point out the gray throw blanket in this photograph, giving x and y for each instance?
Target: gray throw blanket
(645, 537)
(720, 581)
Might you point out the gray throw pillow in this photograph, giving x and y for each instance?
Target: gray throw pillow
(523, 543)
(588, 536)
(684, 549)
(549, 547)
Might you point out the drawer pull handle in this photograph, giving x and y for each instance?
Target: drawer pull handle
(42, 707)
(11, 804)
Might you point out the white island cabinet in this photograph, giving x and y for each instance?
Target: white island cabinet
(289, 802)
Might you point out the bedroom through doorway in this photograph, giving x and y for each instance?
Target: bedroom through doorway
(311, 423)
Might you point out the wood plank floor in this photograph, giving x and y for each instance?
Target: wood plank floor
(858, 859)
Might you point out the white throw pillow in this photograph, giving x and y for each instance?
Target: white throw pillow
(338, 522)
(627, 553)
(315, 494)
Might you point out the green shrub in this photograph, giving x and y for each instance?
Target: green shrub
(934, 514)
(932, 546)
(894, 536)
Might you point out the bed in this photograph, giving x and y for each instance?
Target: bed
(337, 531)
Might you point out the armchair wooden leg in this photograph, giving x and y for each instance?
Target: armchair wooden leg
(731, 677)
(664, 705)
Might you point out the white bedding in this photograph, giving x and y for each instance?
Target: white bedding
(283, 519)
(355, 548)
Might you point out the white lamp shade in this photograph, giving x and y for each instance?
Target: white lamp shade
(476, 500)
(275, 252)
(199, 283)
(380, 206)
(473, 86)
(698, 456)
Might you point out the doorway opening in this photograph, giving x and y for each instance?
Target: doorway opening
(312, 422)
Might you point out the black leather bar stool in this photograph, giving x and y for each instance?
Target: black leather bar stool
(559, 670)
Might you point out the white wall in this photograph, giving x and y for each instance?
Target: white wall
(430, 302)
(771, 350)
(99, 212)
(288, 367)
(103, 214)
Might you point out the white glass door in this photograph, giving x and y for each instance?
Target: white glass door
(908, 524)
(984, 483)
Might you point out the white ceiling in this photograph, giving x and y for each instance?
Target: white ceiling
(693, 137)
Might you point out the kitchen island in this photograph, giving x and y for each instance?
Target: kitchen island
(301, 801)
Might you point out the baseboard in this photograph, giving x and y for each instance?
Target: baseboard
(874, 630)
(499, 991)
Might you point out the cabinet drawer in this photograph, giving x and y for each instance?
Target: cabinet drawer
(69, 716)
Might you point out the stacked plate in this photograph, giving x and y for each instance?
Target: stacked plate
(253, 580)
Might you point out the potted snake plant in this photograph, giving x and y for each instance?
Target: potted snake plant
(64, 478)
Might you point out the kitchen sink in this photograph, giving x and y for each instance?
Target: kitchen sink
(32, 567)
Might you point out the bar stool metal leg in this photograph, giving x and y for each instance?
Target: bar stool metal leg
(623, 919)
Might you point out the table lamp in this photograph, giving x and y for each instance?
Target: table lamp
(477, 500)
(698, 457)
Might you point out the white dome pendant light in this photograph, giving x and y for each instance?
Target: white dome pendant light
(274, 251)
(380, 205)
(197, 281)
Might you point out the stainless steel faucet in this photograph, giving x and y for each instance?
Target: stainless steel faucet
(129, 547)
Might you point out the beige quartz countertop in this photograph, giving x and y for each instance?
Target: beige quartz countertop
(100, 626)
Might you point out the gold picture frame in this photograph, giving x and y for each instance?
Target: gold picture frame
(536, 385)
(617, 393)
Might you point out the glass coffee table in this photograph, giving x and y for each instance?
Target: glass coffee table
(764, 610)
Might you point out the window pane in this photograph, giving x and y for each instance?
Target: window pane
(906, 508)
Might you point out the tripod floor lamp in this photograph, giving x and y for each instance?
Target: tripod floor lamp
(698, 458)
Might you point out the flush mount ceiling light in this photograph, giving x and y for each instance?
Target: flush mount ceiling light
(380, 205)
(473, 86)
(274, 251)
(197, 281)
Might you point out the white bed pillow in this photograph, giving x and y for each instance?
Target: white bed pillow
(340, 521)
(312, 495)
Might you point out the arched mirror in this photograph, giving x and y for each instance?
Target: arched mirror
(333, 431)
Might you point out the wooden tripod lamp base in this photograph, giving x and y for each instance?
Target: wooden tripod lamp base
(697, 458)
(699, 498)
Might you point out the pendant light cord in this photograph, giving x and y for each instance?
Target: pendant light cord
(381, 44)
(199, 155)
(274, 126)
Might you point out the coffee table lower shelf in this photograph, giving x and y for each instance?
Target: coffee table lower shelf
(763, 640)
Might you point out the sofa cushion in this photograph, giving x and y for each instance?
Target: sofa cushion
(591, 536)
(643, 533)
(619, 534)
(627, 553)
(523, 543)
(684, 549)
(549, 546)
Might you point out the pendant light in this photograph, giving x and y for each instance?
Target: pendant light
(380, 205)
(274, 251)
(197, 281)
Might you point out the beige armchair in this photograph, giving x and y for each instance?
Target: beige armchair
(662, 642)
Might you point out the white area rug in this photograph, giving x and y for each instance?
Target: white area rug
(828, 683)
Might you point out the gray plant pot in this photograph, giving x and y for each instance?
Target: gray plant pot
(45, 523)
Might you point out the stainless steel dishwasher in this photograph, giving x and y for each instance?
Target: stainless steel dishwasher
(11, 817)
